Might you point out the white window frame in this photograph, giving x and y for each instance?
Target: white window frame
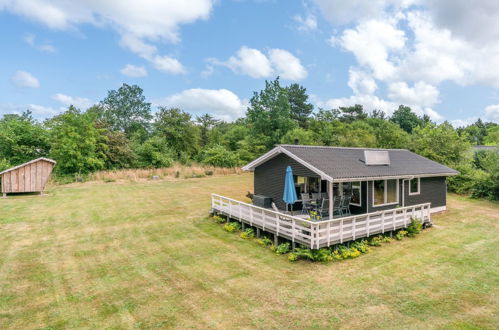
(419, 187)
(385, 193)
(360, 193)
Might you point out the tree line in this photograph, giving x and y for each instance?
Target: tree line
(121, 131)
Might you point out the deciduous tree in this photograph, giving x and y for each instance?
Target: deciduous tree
(126, 110)
(269, 113)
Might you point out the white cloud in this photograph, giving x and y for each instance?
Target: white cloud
(37, 110)
(435, 116)
(492, 113)
(475, 21)
(221, 103)
(287, 65)
(369, 102)
(30, 39)
(341, 12)
(440, 40)
(40, 110)
(436, 55)
(79, 102)
(208, 71)
(251, 62)
(306, 23)
(413, 46)
(420, 97)
(254, 63)
(168, 64)
(463, 122)
(134, 71)
(139, 23)
(371, 43)
(25, 79)
(361, 83)
(149, 52)
(148, 19)
(421, 94)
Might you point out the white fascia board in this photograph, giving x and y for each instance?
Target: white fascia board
(278, 150)
(263, 158)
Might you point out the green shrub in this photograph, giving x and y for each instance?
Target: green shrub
(400, 234)
(232, 227)
(292, 257)
(348, 253)
(322, 255)
(248, 233)
(265, 241)
(414, 227)
(4, 164)
(282, 248)
(487, 184)
(362, 246)
(219, 156)
(304, 253)
(354, 253)
(219, 219)
(208, 172)
(376, 240)
(154, 152)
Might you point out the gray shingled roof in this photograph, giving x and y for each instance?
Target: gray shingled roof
(342, 163)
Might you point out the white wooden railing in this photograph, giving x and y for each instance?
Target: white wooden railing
(284, 225)
(317, 234)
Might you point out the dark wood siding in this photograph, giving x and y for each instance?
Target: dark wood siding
(432, 190)
(363, 196)
(269, 177)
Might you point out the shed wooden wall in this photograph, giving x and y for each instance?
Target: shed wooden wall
(28, 178)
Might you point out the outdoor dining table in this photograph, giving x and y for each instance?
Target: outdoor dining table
(316, 204)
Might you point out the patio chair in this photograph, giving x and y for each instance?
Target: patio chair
(324, 209)
(345, 204)
(337, 206)
(316, 197)
(274, 207)
(306, 203)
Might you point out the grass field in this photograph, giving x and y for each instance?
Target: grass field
(143, 255)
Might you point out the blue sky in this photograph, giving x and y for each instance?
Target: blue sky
(209, 56)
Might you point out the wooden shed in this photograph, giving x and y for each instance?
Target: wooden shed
(28, 177)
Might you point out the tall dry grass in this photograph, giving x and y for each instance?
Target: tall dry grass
(178, 171)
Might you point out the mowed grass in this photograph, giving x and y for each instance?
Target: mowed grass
(143, 255)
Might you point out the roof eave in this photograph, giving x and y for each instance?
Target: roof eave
(27, 163)
(278, 150)
(405, 176)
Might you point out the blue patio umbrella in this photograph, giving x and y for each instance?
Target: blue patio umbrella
(289, 188)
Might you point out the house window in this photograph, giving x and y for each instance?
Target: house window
(356, 194)
(299, 184)
(313, 185)
(414, 185)
(385, 192)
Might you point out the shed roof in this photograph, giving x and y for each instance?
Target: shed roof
(339, 163)
(27, 163)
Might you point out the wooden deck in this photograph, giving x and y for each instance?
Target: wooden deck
(317, 234)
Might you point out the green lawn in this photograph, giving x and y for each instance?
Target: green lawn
(143, 255)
